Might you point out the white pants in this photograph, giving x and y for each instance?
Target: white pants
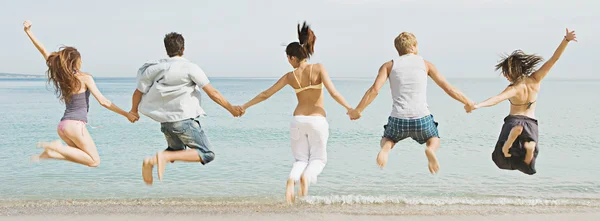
(308, 135)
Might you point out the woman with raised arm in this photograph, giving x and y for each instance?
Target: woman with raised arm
(72, 87)
(309, 129)
(516, 148)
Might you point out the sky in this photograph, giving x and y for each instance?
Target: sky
(247, 38)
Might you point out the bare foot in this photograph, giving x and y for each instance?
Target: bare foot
(506, 148)
(303, 186)
(433, 162)
(47, 155)
(382, 157)
(289, 192)
(160, 163)
(43, 156)
(147, 167)
(36, 158)
(54, 145)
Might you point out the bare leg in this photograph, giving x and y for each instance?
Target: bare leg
(80, 147)
(147, 167)
(432, 146)
(162, 158)
(303, 186)
(47, 155)
(530, 147)
(386, 147)
(514, 133)
(289, 191)
(68, 153)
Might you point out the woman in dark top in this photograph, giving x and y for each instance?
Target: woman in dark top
(73, 88)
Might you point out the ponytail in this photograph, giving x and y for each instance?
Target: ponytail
(305, 46)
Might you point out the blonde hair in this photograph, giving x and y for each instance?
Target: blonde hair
(405, 42)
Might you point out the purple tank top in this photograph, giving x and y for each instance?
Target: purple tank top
(78, 108)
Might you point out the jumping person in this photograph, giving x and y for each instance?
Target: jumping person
(309, 129)
(72, 87)
(167, 93)
(517, 145)
(410, 115)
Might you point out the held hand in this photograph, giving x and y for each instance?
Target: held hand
(237, 111)
(243, 110)
(570, 36)
(132, 117)
(135, 113)
(354, 114)
(26, 25)
(470, 107)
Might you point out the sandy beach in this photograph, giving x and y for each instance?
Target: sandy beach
(333, 217)
(191, 210)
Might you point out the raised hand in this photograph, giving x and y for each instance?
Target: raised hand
(26, 25)
(354, 114)
(570, 36)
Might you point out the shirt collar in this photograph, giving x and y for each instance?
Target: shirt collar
(177, 58)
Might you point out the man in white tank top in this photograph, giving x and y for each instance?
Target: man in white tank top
(410, 115)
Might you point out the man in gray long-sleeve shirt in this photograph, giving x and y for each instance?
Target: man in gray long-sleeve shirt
(167, 91)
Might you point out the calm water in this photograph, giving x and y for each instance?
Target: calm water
(253, 156)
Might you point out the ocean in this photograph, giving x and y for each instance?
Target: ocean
(253, 155)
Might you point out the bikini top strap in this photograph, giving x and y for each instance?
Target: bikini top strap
(294, 74)
(310, 76)
(528, 103)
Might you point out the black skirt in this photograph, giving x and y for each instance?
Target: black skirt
(517, 151)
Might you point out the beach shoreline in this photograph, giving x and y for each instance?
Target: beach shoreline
(187, 209)
(282, 211)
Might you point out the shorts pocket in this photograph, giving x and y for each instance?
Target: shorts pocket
(294, 133)
(179, 127)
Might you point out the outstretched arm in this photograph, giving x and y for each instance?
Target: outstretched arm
(509, 92)
(91, 85)
(38, 45)
(218, 98)
(543, 71)
(331, 89)
(135, 102)
(373, 91)
(447, 87)
(282, 82)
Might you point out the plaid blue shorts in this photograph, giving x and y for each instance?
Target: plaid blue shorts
(420, 130)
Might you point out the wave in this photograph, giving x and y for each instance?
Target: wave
(319, 200)
(445, 201)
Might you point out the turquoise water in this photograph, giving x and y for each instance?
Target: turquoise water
(253, 156)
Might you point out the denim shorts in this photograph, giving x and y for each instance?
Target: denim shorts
(420, 130)
(188, 133)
